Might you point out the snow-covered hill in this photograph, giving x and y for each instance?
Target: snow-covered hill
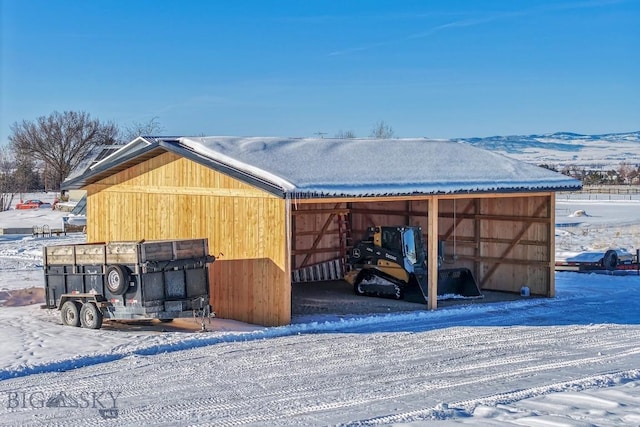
(565, 148)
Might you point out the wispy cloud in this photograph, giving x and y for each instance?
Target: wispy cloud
(464, 23)
(427, 33)
(481, 21)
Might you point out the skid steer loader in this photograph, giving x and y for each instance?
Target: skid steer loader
(392, 262)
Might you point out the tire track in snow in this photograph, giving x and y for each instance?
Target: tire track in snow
(150, 413)
(443, 411)
(395, 323)
(197, 342)
(293, 375)
(90, 360)
(269, 416)
(633, 374)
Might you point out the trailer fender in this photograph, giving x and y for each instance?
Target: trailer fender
(117, 279)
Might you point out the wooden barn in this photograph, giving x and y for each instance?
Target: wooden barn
(273, 208)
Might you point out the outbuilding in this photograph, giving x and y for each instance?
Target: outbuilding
(282, 209)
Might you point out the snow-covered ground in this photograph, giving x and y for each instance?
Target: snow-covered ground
(595, 222)
(573, 360)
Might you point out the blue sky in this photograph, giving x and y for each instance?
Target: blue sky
(441, 68)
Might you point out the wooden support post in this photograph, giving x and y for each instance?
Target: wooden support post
(289, 238)
(477, 233)
(432, 254)
(293, 237)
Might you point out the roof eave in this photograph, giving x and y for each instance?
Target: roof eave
(177, 148)
(382, 194)
(107, 169)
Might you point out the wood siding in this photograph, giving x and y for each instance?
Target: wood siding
(516, 244)
(507, 241)
(315, 233)
(170, 197)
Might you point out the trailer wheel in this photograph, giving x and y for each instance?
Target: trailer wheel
(117, 279)
(90, 316)
(166, 320)
(610, 260)
(70, 313)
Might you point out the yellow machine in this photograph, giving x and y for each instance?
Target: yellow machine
(391, 262)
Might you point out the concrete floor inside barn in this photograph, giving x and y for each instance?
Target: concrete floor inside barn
(337, 298)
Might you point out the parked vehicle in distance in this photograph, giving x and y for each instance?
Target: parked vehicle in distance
(33, 204)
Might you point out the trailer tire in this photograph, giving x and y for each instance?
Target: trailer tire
(166, 320)
(90, 316)
(117, 279)
(610, 260)
(70, 313)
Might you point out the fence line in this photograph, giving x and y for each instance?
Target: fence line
(612, 192)
(611, 189)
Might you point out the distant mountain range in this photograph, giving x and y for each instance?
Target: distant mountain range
(566, 148)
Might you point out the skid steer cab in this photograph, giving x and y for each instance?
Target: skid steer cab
(391, 262)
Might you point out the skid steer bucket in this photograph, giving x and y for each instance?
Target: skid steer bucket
(455, 281)
(416, 290)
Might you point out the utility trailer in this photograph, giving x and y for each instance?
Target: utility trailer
(612, 261)
(162, 279)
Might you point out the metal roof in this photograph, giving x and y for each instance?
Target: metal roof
(316, 168)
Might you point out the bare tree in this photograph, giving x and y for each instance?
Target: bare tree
(7, 189)
(624, 172)
(345, 134)
(61, 140)
(382, 130)
(26, 176)
(136, 129)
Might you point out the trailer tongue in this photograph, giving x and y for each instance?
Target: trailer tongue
(162, 279)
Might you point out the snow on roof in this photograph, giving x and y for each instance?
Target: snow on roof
(96, 155)
(315, 167)
(141, 141)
